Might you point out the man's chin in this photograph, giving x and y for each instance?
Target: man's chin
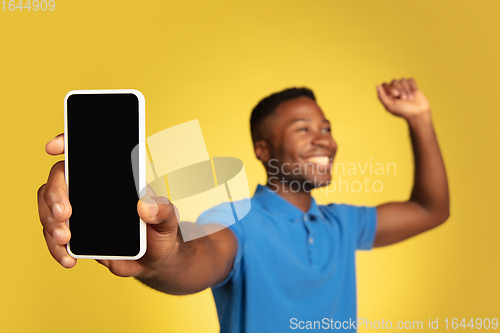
(318, 182)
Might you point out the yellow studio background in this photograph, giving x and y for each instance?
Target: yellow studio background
(213, 61)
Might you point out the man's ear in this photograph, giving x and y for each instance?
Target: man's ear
(262, 151)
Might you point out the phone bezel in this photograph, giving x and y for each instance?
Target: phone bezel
(142, 165)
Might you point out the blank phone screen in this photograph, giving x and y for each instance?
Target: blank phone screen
(102, 131)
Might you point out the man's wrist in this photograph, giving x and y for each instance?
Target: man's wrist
(420, 119)
(152, 269)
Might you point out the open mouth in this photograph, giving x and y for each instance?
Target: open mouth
(321, 164)
(320, 160)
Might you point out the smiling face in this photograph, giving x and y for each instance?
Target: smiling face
(300, 146)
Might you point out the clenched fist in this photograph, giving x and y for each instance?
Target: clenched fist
(403, 98)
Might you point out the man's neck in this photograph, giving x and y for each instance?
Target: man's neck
(300, 199)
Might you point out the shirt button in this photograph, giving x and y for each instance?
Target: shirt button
(311, 240)
(305, 218)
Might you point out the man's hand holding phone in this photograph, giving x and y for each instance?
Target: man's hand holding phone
(55, 209)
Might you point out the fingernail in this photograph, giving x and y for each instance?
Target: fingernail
(151, 205)
(162, 200)
(53, 139)
(57, 210)
(59, 234)
(177, 215)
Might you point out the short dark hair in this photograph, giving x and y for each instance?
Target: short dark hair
(268, 106)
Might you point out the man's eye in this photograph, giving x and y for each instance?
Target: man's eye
(303, 129)
(326, 130)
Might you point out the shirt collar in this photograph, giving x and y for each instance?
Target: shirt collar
(273, 202)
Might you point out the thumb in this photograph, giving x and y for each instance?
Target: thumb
(162, 220)
(157, 211)
(382, 95)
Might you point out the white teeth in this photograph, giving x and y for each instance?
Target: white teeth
(319, 160)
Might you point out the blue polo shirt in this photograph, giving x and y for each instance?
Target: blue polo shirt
(292, 270)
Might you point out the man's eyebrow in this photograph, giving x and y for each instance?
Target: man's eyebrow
(299, 119)
(307, 119)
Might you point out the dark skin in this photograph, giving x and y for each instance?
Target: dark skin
(299, 131)
(299, 138)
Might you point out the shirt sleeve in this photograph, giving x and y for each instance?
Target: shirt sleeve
(222, 215)
(366, 223)
(237, 258)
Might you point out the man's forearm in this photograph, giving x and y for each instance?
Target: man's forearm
(430, 188)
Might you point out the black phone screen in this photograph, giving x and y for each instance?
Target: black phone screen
(102, 130)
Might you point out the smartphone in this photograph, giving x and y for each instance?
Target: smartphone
(105, 157)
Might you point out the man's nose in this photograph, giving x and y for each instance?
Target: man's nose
(325, 141)
(321, 139)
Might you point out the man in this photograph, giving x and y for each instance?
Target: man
(289, 260)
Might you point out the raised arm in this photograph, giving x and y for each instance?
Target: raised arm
(429, 203)
(169, 265)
